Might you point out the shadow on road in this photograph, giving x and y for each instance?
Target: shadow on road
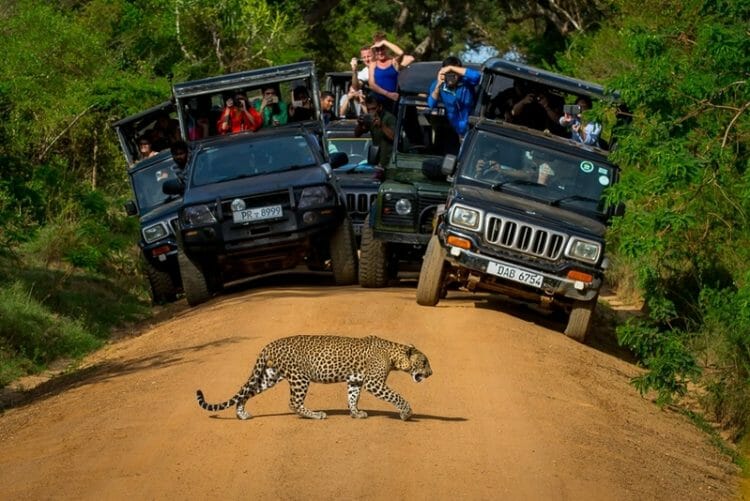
(342, 412)
(15, 398)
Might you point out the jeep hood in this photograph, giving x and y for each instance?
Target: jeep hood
(505, 203)
(255, 185)
(166, 211)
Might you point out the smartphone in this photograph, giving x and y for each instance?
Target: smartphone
(297, 104)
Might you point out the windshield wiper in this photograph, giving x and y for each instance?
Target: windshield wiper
(582, 198)
(525, 182)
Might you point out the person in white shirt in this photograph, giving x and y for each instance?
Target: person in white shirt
(361, 77)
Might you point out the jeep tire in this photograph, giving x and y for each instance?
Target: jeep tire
(163, 288)
(373, 259)
(194, 281)
(432, 274)
(579, 320)
(343, 248)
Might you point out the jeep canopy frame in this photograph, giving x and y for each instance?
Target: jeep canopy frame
(499, 75)
(201, 95)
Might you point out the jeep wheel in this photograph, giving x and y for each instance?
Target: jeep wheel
(163, 289)
(193, 281)
(580, 319)
(344, 254)
(432, 274)
(373, 260)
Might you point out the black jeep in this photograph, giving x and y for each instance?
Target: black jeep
(157, 211)
(258, 202)
(525, 216)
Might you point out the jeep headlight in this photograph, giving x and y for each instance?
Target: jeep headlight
(198, 215)
(155, 232)
(466, 218)
(313, 196)
(403, 206)
(584, 250)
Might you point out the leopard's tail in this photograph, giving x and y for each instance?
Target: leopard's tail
(248, 390)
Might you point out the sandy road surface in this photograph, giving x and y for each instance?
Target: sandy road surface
(514, 410)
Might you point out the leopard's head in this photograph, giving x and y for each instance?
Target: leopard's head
(415, 363)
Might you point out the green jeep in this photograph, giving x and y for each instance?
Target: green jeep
(399, 224)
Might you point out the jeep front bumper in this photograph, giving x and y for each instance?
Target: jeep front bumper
(496, 274)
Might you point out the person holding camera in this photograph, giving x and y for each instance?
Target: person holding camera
(301, 108)
(571, 120)
(238, 116)
(381, 125)
(361, 77)
(455, 87)
(273, 110)
(352, 103)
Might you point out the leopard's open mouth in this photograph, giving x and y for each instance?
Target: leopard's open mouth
(418, 378)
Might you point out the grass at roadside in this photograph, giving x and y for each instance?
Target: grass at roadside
(47, 314)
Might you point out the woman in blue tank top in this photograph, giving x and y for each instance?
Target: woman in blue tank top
(384, 70)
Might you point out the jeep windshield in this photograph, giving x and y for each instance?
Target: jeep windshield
(147, 185)
(240, 159)
(559, 178)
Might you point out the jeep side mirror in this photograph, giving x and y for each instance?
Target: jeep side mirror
(338, 159)
(172, 187)
(130, 208)
(449, 165)
(373, 154)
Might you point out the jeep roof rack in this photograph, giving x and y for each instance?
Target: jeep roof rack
(565, 83)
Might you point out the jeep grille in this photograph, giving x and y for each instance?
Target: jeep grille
(359, 203)
(175, 224)
(526, 238)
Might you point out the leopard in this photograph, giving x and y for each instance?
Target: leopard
(303, 359)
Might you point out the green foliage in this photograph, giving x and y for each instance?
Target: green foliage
(726, 330)
(682, 68)
(31, 335)
(670, 362)
(234, 35)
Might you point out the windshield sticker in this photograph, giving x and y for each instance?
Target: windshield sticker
(161, 175)
(604, 180)
(587, 167)
(603, 171)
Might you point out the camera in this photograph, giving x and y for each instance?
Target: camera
(572, 109)
(366, 119)
(451, 78)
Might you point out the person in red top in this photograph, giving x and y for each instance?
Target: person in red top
(238, 116)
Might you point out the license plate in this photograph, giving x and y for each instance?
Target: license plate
(257, 214)
(514, 274)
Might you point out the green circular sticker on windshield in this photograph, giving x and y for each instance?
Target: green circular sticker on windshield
(587, 167)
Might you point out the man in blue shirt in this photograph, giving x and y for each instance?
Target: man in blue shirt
(455, 86)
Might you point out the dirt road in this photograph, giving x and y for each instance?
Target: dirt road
(514, 410)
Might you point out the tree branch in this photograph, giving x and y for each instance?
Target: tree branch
(44, 152)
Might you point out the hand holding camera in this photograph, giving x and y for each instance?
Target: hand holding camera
(366, 120)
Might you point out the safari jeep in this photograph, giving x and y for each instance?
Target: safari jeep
(525, 215)
(399, 223)
(259, 202)
(157, 212)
